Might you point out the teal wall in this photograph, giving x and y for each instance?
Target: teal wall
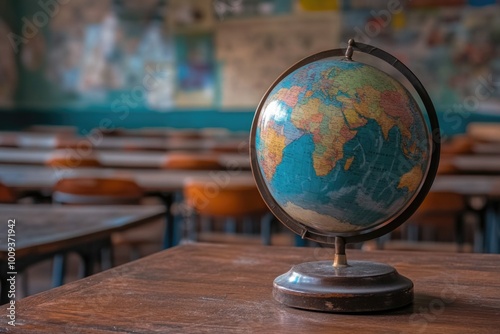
(60, 108)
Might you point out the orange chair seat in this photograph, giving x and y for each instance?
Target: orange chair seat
(6, 194)
(70, 161)
(96, 191)
(192, 162)
(232, 200)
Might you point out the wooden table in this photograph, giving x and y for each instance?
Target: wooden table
(477, 164)
(114, 159)
(29, 139)
(486, 148)
(201, 288)
(44, 230)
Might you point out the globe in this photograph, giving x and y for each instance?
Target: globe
(340, 146)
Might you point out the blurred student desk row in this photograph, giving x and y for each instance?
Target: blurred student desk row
(160, 132)
(118, 159)
(98, 140)
(168, 182)
(41, 231)
(463, 164)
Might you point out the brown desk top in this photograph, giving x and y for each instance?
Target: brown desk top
(216, 288)
(48, 228)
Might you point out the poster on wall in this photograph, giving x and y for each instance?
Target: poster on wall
(195, 77)
(252, 53)
(108, 52)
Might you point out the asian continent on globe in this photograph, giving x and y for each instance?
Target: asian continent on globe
(341, 146)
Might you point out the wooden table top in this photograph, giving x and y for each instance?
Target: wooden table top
(201, 288)
(115, 159)
(49, 228)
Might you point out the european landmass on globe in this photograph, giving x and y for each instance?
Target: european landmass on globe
(341, 145)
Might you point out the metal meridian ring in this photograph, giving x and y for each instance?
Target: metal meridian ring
(381, 229)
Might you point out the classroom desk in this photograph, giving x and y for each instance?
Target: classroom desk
(486, 148)
(477, 164)
(114, 159)
(208, 288)
(44, 230)
(30, 139)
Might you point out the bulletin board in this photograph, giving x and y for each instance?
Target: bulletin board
(252, 53)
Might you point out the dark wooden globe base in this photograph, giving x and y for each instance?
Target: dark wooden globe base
(359, 287)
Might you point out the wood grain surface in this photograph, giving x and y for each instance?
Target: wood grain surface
(201, 288)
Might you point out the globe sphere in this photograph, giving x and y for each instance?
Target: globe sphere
(341, 146)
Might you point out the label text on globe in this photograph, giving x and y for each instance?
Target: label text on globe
(11, 271)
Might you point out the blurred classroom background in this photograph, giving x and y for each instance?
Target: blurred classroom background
(195, 64)
(162, 93)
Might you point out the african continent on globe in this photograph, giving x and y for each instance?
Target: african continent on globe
(341, 146)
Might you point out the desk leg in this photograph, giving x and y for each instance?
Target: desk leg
(4, 285)
(492, 229)
(58, 270)
(168, 235)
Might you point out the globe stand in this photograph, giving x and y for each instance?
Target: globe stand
(338, 286)
(341, 285)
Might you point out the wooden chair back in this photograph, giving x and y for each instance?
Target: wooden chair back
(192, 161)
(96, 191)
(233, 200)
(70, 161)
(441, 203)
(7, 196)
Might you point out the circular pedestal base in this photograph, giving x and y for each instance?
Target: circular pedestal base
(360, 287)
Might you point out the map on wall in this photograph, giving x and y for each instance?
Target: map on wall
(454, 50)
(112, 51)
(252, 53)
